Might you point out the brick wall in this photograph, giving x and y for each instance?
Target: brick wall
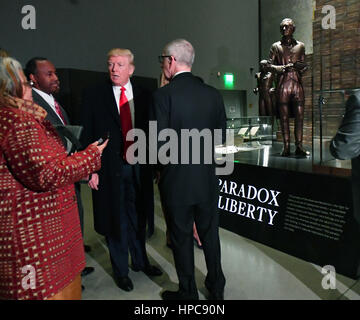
(336, 64)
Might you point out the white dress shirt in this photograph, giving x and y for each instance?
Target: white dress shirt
(179, 73)
(130, 97)
(49, 99)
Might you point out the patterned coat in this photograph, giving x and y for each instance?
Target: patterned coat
(41, 247)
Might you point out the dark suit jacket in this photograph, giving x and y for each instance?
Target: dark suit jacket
(346, 145)
(99, 116)
(187, 103)
(51, 114)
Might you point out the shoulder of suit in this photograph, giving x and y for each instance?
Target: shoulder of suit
(36, 96)
(139, 88)
(195, 83)
(161, 91)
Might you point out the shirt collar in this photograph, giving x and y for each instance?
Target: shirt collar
(179, 73)
(43, 94)
(127, 86)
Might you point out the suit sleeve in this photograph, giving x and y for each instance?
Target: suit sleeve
(160, 113)
(30, 155)
(346, 143)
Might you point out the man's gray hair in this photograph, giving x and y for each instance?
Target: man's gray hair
(182, 50)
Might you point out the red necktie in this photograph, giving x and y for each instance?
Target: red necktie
(125, 119)
(58, 111)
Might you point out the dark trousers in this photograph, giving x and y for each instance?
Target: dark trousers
(147, 205)
(129, 240)
(149, 201)
(181, 234)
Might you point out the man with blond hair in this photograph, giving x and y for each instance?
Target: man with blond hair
(118, 189)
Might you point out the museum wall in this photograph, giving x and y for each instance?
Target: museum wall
(78, 34)
(272, 12)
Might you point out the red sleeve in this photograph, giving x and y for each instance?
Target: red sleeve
(38, 161)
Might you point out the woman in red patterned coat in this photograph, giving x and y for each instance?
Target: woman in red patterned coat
(41, 248)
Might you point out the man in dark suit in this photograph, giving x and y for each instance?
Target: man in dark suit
(346, 145)
(190, 191)
(119, 188)
(42, 74)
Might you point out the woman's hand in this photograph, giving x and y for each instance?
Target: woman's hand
(102, 146)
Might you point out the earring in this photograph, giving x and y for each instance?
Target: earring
(31, 82)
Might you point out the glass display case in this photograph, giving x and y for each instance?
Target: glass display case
(249, 129)
(247, 134)
(327, 116)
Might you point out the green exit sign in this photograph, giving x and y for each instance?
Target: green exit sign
(229, 80)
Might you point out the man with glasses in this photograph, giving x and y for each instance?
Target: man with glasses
(190, 191)
(119, 188)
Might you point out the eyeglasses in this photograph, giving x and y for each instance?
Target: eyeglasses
(161, 58)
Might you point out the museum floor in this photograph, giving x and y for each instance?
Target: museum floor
(253, 271)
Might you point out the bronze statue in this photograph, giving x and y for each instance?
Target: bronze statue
(287, 59)
(265, 89)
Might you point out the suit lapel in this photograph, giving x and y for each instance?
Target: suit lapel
(51, 116)
(112, 106)
(111, 103)
(65, 115)
(137, 105)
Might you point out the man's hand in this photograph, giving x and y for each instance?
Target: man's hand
(94, 181)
